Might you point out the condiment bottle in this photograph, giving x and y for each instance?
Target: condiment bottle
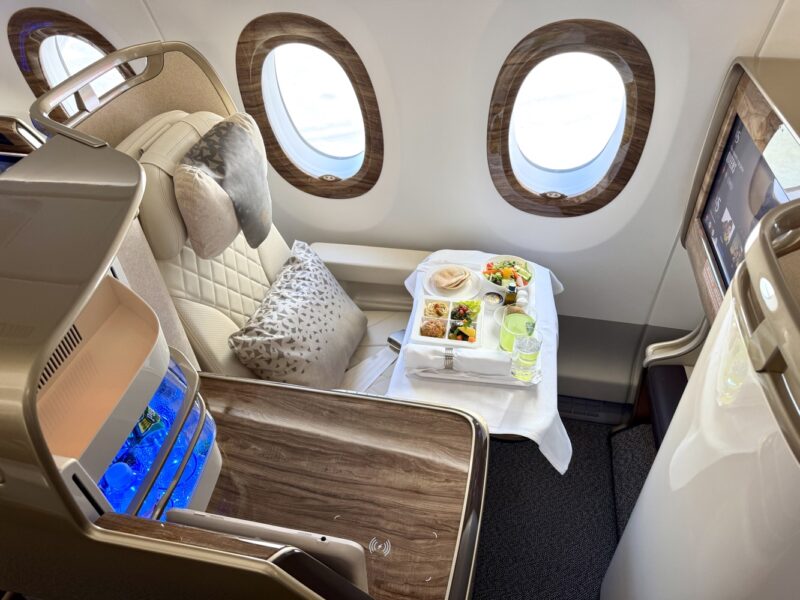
(511, 294)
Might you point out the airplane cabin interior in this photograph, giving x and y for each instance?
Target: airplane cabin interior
(357, 300)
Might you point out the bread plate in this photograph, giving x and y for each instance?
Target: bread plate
(469, 289)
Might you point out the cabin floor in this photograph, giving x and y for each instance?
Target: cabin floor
(548, 536)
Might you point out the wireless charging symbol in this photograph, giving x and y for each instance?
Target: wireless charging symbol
(376, 547)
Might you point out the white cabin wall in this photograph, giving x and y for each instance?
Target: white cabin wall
(782, 39)
(433, 66)
(123, 23)
(677, 304)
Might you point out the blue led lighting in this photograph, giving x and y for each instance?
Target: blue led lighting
(187, 485)
(172, 463)
(136, 456)
(24, 34)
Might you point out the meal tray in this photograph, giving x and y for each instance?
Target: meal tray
(448, 322)
(487, 338)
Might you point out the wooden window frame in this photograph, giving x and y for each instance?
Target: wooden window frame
(257, 40)
(28, 28)
(628, 55)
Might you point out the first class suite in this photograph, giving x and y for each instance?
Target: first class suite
(353, 300)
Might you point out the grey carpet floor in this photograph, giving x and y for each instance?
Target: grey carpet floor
(633, 452)
(544, 535)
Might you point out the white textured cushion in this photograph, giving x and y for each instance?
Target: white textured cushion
(213, 297)
(207, 211)
(305, 330)
(234, 282)
(230, 286)
(159, 145)
(138, 141)
(228, 163)
(208, 331)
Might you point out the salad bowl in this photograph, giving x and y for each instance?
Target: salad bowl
(504, 270)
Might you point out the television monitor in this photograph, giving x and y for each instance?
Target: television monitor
(744, 189)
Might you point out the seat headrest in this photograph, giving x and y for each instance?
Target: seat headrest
(221, 187)
(159, 145)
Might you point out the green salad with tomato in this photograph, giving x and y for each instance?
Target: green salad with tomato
(508, 272)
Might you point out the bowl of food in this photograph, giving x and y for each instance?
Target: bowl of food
(505, 270)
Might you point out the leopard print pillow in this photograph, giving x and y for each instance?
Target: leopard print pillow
(305, 330)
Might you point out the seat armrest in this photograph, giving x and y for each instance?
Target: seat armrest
(369, 264)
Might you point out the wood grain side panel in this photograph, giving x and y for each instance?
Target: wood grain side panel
(705, 272)
(257, 40)
(191, 536)
(608, 41)
(392, 477)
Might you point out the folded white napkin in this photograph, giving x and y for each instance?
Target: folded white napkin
(465, 360)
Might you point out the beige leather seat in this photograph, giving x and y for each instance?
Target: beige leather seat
(214, 297)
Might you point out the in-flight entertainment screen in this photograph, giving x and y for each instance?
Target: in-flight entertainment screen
(744, 189)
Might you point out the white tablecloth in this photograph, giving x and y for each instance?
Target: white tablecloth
(530, 412)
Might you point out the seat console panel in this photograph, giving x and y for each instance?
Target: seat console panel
(405, 481)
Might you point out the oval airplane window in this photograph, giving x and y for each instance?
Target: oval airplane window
(567, 122)
(50, 45)
(569, 116)
(64, 55)
(313, 100)
(313, 110)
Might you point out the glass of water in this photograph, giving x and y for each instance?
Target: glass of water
(525, 357)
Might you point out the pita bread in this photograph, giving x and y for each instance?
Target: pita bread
(450, 278)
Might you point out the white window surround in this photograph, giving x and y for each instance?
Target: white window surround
(580, 98)
(308, 154)
(62, 56)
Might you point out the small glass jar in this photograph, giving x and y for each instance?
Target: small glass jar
(511, 294)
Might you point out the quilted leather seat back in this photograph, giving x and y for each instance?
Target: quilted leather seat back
(213, 297)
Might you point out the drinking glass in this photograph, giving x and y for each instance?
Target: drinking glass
(525, 357)
(514, 324)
